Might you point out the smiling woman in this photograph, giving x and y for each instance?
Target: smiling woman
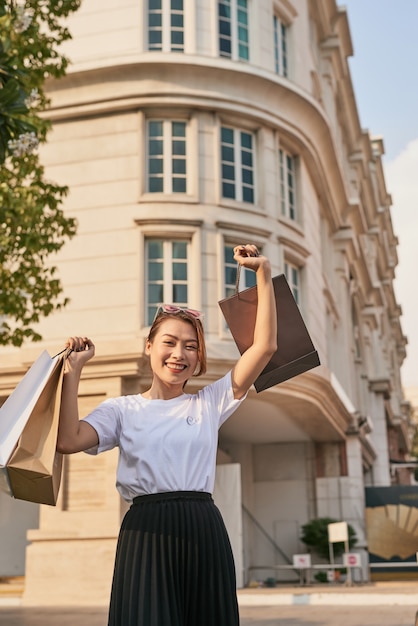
(174, 563)
(177, 335)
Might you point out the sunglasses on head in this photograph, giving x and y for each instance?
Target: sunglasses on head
(173, 309)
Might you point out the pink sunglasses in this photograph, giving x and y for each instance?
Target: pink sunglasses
(173, 309)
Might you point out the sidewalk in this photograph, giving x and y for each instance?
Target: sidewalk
(403, 593)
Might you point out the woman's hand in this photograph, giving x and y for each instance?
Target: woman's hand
(82, 350)
(248, 255)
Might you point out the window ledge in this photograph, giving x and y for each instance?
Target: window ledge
(167, 198)
(293, 224)
(241, 206)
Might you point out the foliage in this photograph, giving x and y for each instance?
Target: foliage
(321, 577)
(30, 36)
(315, 535)
(32, 225)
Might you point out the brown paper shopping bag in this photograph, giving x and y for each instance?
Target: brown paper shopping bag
(34, 468)
(295, 353)
(16, 410)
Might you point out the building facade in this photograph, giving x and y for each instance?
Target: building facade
(182, 128)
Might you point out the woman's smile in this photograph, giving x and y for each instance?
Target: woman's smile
(176, 367)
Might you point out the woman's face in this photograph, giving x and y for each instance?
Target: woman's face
(173, 351)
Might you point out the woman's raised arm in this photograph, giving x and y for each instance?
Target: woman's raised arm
(75, 435)
(253, 361)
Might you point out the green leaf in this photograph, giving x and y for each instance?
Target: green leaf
(9, 93)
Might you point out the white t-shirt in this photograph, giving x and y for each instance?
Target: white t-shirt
(164, 445)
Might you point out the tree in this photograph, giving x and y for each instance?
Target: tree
(32, 224)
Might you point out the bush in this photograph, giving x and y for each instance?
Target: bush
(321, 577)
(315, 536)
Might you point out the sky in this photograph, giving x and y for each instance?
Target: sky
(384, 72)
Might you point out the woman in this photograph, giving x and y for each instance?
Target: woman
(174, 565)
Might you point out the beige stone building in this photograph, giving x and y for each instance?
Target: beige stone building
(182, 128)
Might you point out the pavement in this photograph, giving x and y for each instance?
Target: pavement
(388, 593)
(391, 603)
(403, 593)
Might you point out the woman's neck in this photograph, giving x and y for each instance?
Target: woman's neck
(163, 392)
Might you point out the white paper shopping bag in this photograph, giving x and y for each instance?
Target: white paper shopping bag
(15, 412)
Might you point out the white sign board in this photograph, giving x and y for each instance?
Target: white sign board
(338, 531)
(301, 561)
(350, 559)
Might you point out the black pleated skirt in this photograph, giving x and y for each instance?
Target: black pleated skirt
(174, 564)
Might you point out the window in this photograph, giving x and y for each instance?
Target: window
(280, 47)
(166, 25)
(237, 163)
(287, 184)
(166, 157)
(166, 274)
(247, 277)
(356, 332)
(233, 29)
(292, 274)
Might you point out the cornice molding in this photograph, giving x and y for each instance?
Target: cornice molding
(169, 222)
(243, 228)
(381, 386)
(323, 409)
(295, 246)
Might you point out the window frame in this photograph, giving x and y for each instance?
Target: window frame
(168, 157)
(293, 274)
(288, 194)
(168, 281)
(241, 187)
(280, 46)
(167, 229)
(237, 44)
(167, 29)
(357, 332)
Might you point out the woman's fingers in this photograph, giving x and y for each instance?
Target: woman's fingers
(81, 350)
(79, 344)
(246, 250)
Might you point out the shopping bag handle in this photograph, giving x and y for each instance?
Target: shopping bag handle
(237, 278)
(67, 350)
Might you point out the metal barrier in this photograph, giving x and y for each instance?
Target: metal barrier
(389, 564)
(304, 573)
